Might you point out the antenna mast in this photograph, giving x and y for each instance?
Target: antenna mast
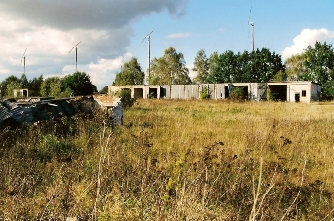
(24, 61)
(251, 24)
(76, 55)
(148, 36)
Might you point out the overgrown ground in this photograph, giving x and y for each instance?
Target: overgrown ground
(174, 160)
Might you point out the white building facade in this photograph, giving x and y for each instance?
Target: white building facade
(295, 91)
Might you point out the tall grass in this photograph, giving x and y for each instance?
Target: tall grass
(176, 160)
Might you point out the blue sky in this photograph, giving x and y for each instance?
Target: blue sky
(112, 31)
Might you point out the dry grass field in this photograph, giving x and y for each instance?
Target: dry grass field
(174, 160)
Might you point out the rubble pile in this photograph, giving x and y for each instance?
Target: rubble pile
(30, 110)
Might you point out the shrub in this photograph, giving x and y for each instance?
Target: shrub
(237, 93)
(127, 100)
(205, 93)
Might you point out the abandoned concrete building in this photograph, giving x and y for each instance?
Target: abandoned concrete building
(24, 93)
(295, 91)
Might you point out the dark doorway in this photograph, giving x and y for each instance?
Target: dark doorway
(25, 93)
(153, 93)
(138, 93)
(244, 92)
(239, 92)
(278, 92)
(227, 92)
(163, 92)
(297, 97)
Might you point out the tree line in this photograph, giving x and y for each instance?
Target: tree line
(315, 64)
(78, 83)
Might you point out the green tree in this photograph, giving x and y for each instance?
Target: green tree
(257, 66)
(228, 66)
(126, 98)
(7, 86)
(35, 83)
(295, 67)
(24, 81)
(201, 67)
(104, 90)
(222, 67)
(56, 88)
(280, 76)
(264, 65)
(12, 82)
(78, 83)
(319, 61)
(131, 74)
(169, 69)
(51, 87)
(214, 75)
(243, 67)
(10, 88)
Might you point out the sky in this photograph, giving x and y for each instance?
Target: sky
(107, 33)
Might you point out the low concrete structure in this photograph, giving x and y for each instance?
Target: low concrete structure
(24, 93)
(112, 106)
(295, 91)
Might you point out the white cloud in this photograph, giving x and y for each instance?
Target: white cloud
(48, 48)
(49, 29)
(102, 73)
(307, 37)
(179, 35)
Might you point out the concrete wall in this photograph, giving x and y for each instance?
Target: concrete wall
(24, 93)
(315, 92)
(219, 92)
(299, 92)
(191, 92)
(177, 92)
(292, 91)
(165, 91)
(257, 91)
(117, 111)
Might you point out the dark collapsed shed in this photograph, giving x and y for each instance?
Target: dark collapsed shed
(30, 110)
(4, 113)
(33, 110)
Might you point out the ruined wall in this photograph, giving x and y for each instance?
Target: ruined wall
(165, 91)
(257, 91)
(113, 107)
(219, 91)
(191, 91)
(299, 92)
(304, 91)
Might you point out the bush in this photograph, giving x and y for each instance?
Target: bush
(127, 100)
(205, 93)
(104, 90)
(237, 93)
